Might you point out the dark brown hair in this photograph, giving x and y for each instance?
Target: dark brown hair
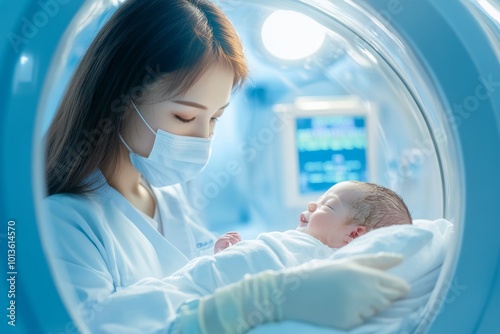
(378, 207)
(166, 44)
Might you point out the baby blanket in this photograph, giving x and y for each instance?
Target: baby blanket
(271, 250)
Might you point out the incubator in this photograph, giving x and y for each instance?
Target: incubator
(401, 93)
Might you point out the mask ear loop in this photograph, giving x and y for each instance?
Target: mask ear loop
(124, 143)
(140, 115)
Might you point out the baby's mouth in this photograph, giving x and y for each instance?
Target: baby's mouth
(303, 220)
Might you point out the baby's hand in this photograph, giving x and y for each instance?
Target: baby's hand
(226, 240)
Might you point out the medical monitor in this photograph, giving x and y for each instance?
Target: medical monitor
(324, 141)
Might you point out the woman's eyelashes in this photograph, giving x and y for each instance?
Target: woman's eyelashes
(184, 120)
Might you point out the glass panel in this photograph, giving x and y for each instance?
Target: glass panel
(400, 150)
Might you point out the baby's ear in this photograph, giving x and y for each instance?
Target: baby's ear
(358, 231)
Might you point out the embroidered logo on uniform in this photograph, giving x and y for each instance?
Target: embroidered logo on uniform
(204, 244)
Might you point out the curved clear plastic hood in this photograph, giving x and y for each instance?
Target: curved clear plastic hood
(359, 64)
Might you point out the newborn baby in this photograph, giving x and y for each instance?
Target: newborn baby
(344, 212)
(342, 216)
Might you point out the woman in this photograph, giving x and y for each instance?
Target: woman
(134, 123)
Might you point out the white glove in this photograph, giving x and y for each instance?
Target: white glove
(334, 293)
(344, 293)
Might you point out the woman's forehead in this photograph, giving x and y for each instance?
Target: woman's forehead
(211, 90)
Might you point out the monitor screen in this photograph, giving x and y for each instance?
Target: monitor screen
(330, 149)
(325, 140)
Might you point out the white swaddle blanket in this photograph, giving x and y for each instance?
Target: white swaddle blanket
(423, 245)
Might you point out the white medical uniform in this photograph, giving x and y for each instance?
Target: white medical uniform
(114, 258)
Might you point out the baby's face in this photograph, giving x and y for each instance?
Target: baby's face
(326, 219)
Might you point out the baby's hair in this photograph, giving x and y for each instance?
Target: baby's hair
(378, 207)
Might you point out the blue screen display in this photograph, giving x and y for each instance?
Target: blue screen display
(330, 149)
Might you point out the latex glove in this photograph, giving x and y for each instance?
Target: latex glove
(340, 294)
(343, 294)
(226, 240)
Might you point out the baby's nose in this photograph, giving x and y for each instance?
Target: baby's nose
(312, 206)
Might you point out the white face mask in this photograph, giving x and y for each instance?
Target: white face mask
(173, 159)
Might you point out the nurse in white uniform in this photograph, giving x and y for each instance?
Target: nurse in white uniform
(135, 122)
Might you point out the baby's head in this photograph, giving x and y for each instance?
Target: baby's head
(350, 209)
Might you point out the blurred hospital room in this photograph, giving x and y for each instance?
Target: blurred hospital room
(402, 93)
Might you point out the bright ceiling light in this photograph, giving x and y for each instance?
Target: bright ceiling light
(291, 35)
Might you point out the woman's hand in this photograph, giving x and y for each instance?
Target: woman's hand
(341, 293)
(226, 240)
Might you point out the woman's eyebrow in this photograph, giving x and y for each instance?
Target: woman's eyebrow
(195, 105)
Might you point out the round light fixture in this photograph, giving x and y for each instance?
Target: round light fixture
(290, 35)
